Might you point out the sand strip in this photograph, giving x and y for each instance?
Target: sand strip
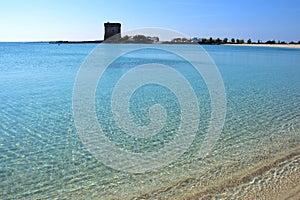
(294, 46)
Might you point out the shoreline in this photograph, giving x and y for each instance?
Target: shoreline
(294, 46)
(291, 46)
(276, 178)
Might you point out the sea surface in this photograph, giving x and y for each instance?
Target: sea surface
(42, 155)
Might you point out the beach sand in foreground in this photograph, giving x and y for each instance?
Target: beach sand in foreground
(278, 179)
(274, 179)
(296, 46)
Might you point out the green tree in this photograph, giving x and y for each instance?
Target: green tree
(271, 42)
(249, 41)
(140, 38)
(225, 40)
(176, 40)
(184, 40)
(124, 39)
(232, 40)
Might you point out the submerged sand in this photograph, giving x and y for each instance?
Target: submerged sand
(277, 178)
(268, 45)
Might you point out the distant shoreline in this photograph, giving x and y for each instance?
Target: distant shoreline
(76, 42)
(293, 46)
(296, 46)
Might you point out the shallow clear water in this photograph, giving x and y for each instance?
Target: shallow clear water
(41, 155)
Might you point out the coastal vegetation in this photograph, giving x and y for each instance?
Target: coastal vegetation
(139, 39)
(206, 41)
(209, 41)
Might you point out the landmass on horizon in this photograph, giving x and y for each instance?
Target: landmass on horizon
(112, 34)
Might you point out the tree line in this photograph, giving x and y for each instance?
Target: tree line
(139, 39)
(151, 39)
(228, 41)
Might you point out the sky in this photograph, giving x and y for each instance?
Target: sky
(52, 20)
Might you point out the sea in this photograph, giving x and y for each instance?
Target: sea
(46, 154)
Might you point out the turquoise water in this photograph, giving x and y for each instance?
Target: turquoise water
(41, 155)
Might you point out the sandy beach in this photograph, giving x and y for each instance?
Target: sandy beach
(296, 46)
(274, 179)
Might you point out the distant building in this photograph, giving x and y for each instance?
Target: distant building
(154, 39)
(112, 29)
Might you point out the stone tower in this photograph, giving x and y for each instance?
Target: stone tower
(112, 29)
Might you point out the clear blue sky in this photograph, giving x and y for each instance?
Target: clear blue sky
(44, 20)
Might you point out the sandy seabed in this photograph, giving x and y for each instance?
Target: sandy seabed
(277, 179)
